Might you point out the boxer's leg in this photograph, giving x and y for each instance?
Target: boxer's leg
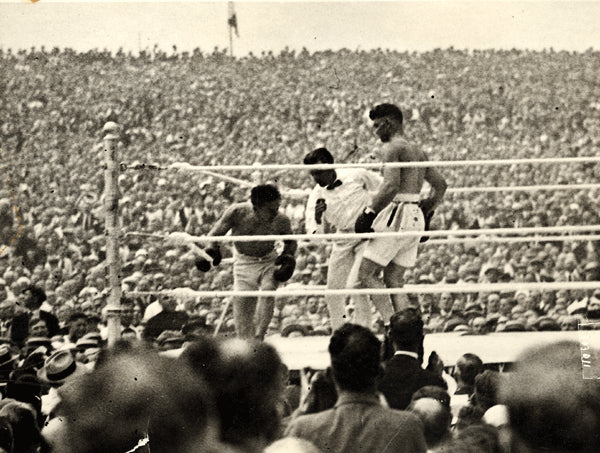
(243, 316)
(368, 277)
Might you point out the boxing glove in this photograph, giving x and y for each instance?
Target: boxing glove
(203, 264)
(286, 264)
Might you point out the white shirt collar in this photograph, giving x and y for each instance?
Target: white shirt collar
(414, 355)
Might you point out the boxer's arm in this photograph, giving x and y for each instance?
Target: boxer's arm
(211, 255)
(289, 246)
(390, 185)
(224, 224)
(438, 186)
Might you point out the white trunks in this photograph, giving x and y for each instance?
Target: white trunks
(402, 214)
(252, 273)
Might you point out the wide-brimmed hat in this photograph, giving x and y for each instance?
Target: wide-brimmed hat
(514, 326)
(170, 339)
(89, 341)
(6, 355)
(34, 342)
(37, 344)
(59, 367)
(490, 267)
(294, 329)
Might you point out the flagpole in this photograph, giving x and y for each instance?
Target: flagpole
(230, 41)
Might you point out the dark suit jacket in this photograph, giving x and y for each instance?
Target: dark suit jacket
(402, 377)
(165, 320)
(358, 423)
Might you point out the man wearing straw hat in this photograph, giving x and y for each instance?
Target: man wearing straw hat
(396, 207)
(60, 368)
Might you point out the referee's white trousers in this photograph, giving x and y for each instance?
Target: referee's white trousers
(342, 272)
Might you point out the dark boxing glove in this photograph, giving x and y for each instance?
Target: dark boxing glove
(426, 206)
(365, 221)
(286, 264)
(215, 253)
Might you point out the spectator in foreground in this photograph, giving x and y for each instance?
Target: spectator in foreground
(403, 374)
(130, 397)
(436, 419)
(247, 380)
(167, 319)
(358, 422)
(468, 366)
(292, 444)
(24, 425)
(58, 369)
(473, 439)
(556, 411)
(485, 391)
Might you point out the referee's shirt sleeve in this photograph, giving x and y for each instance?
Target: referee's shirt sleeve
(310, 222)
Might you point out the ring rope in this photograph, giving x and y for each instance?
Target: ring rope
(528, 188)
(484, 239)
(416, 164)
(110, 141)
(407, 289)
(575, 237)
(303, 193)
(237, 181)
(430, 233)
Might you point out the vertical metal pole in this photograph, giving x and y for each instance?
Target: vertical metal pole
(111, 205)
(230, 41)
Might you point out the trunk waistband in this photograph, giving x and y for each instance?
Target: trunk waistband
(407, 198)
(242, 258)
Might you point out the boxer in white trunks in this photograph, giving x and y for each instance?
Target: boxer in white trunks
(395, 207)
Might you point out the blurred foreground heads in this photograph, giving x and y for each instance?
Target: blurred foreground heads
(248, 381)
(218, 396)
(132, 396)
(551, 406)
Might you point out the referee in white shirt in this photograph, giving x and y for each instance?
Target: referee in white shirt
(336, 201)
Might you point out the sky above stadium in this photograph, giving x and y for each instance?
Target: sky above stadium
(399, 25)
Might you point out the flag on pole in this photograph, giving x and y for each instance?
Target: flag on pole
(232, 19)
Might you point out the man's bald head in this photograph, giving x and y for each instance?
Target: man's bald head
(436, 419)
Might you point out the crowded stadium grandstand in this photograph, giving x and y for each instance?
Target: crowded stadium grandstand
(209, 109)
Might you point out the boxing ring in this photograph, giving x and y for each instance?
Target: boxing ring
(312, 351)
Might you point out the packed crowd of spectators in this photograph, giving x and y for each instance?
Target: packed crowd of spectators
(232, 395)
(212, 109)
(207, 108)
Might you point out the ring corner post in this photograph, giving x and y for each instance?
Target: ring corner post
(111, 205)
